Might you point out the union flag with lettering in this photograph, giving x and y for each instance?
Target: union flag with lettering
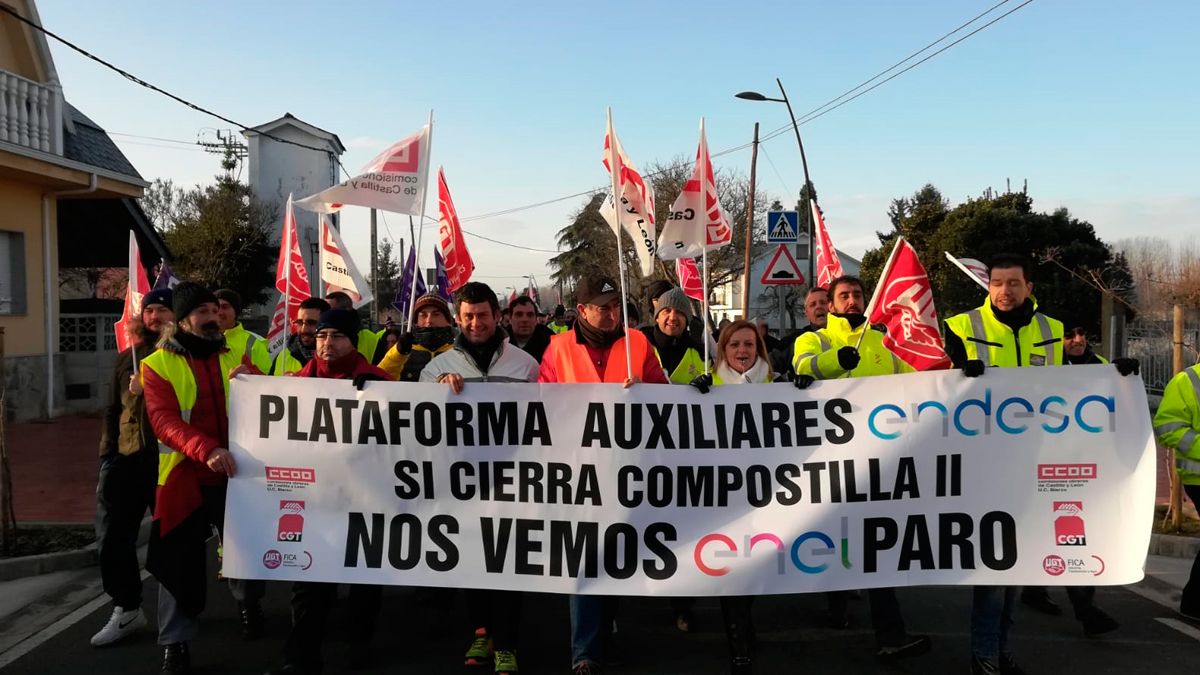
(455, 256)
(291, 280)
(696, 222)
(393, 181)
(903, 301)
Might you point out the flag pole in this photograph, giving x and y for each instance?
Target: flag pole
(965, 270)
(412, 294)
(617, 180)
(290, 217)
(887, 269)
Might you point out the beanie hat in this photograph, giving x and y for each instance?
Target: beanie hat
(658, 288)
(232, 297)
(344, 321)
(674, 299)
(437, 301)
(188, 296)
(158, 296)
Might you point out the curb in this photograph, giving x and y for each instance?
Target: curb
(45, 563)
(1174, 546)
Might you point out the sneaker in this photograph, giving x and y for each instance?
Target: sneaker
(1097, 622)
(586, 668)
(121, 624)
(1008, 666)
(176, 660)
(506, 662)
(912, 645)
(252, 620)
(982, 666)
(1039, 599)
(480, 651)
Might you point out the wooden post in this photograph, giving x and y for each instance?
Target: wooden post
(8, 520)
(1175, 508)
(749, 228)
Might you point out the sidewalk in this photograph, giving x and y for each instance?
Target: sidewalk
(54, 465)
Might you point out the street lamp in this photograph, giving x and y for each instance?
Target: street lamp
(755, 96)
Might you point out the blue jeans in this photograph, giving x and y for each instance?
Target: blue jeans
(591, 627)
(991, 617)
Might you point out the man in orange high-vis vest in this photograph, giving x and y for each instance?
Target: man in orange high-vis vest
(593, 351)
(186, 386)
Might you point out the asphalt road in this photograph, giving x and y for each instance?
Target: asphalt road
(414, 637)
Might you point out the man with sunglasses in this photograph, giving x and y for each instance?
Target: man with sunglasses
(593, 351)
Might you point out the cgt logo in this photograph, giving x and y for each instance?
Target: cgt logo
(1068, 526)
(291, 523)
(1079, 472)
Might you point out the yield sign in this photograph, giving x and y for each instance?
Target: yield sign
(782, 268)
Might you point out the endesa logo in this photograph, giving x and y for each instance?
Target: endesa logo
(803, 552)
(1068, 526)
(289, 479)
(982, 417)
(291, 523)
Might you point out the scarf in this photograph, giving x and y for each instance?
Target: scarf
(199, 347)
(338, 369)
(482, 353)
(1017, 318)
(433, 338)
(302, 353)
(855, 320)
(670, 349)
(758, 373)
(596, 338)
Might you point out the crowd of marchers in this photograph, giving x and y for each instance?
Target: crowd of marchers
(165, 443)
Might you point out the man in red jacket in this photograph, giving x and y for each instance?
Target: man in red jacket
(336, 358)
(185, 386)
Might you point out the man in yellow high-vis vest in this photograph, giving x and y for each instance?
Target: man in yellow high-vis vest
(185, 386)
(245, 345)
(1177, 425)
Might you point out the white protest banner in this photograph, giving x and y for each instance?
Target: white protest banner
(1029, 477)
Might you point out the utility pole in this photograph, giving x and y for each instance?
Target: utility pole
(749, 229)
(1176, 504)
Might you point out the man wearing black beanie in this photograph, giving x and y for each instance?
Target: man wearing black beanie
(241, 342)
(186, 385)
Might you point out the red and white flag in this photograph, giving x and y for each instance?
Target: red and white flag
(636, 198)
(903, 301)
(689, 278)
(455, 255)
(291, 280)
(393, 181)
(828, 265)
(697, 223)
(972, 268)
(139, 285)
(338, 271)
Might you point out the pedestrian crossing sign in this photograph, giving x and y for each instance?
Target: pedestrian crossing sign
(783, 227)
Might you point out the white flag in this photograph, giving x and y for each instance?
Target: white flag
(393, 181)
(637, 201)
(972, 268)
(696, 223)
(338, 271)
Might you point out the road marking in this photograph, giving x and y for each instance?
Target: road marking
(49, 632)
(1190, 631)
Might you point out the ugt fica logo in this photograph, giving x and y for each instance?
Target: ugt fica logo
(291, 523)
(1068, 526)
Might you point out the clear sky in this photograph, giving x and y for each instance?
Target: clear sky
(1094, 102)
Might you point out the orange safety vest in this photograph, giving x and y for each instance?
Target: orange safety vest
(572, 362)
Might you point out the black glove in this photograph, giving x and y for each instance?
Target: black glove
(802, 381)
(848, 358)
(1127, 366)
(363, 378)
(702, 382)
(404, 344)
(973, 368)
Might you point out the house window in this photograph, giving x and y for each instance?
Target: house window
(12, 273)
(77, 333)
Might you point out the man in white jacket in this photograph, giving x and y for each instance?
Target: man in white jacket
(482, 353)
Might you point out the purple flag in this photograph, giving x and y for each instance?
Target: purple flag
(404, 290)
(166, 278)
(443, 282)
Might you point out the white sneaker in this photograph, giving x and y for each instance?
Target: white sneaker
(121, 624)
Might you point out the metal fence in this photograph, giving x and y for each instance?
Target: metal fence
(1150, 340)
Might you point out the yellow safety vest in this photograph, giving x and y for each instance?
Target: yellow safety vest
(175, 369)
(816, 352)
(1040, 343)
(367, 341)
(1177, 423)
(285, 363)
(690, 366)
(239, 340)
